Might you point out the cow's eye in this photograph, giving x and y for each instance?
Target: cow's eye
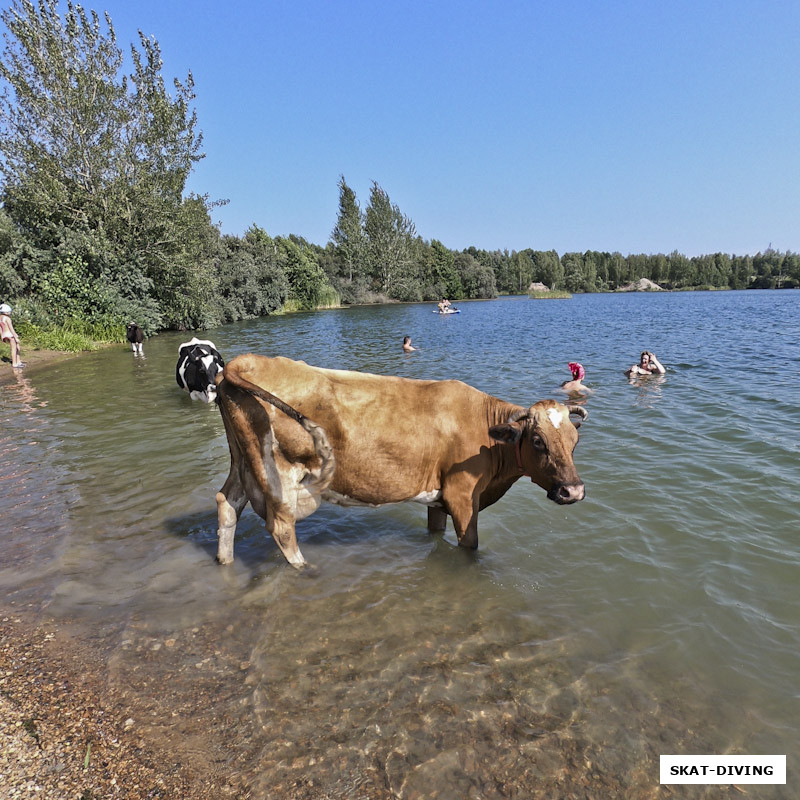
(537, 442)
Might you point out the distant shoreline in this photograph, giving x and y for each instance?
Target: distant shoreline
(37, 359)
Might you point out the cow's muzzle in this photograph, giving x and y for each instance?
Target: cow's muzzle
(566, 493)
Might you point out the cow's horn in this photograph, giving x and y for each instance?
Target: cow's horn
(517, 415)
(579, 410)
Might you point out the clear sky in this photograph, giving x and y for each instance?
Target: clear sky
(634, 126)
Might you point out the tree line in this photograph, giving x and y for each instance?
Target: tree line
(595, 271)
(96, 225)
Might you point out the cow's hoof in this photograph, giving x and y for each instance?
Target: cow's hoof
(308, 570)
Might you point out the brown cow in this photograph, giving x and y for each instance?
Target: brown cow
(440, 443)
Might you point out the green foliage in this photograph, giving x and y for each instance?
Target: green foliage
(251, 282)
(328, 297)
(522, 270)
(390, 236)
(438, 274)
(348, 236)
(39, 329)
(308, 283)
(478, 280)
(68, 288)
(94, 164)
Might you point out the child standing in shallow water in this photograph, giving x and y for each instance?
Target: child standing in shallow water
(9, 335)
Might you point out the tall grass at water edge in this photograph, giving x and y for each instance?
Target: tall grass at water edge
(549, 295)
(72, 335)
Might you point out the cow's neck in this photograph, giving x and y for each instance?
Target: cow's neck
(506, 456)
(499, 411)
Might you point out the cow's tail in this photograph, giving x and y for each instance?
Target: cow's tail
(321, 477)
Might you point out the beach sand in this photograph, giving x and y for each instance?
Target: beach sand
(65, 731)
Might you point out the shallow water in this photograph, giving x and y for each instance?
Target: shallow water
(660, 615)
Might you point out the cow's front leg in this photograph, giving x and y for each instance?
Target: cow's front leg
(231, 500)
(437, 519)
(463, 506)
(467, 530)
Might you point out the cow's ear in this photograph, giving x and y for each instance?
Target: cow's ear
(508, 433)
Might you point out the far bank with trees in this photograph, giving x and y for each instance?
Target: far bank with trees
(96, 227)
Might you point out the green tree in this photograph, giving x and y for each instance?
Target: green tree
(308, 284)
(573, 272)
(13, 280)
(680, 269)
(349, 237)
(547, 268)
(251, 281)
(94, 162)
(439, 275)
(391, 241)
(522, 270)
(478, 280)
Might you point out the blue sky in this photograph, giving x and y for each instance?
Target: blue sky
(630, 126)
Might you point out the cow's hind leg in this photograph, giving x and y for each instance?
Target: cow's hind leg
(231, 500)
(437, 519)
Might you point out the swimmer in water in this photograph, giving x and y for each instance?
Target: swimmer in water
(575, 385)
(648, 365)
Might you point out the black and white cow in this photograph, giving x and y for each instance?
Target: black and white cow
(198, 365)
(135, 336)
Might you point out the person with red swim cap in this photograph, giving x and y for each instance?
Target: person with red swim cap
(575, 385)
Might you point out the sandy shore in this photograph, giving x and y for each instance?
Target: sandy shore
(34, 360)
(65, 733)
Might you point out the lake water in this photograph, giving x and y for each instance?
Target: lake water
(660, 615)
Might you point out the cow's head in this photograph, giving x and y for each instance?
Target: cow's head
(199, 363)
(544, 437)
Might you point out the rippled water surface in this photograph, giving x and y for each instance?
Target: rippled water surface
(660, 615)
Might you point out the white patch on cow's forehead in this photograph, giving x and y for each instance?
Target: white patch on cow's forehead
(555, 416)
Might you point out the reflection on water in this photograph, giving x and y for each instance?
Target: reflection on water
(21, 392)
(660, 615)
(649, 388)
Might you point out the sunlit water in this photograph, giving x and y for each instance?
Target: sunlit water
(660, 615)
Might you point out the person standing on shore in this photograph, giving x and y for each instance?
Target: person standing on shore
(9, 335)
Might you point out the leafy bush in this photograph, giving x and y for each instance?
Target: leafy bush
(39, 329)
(328, 297)
(32, 336)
